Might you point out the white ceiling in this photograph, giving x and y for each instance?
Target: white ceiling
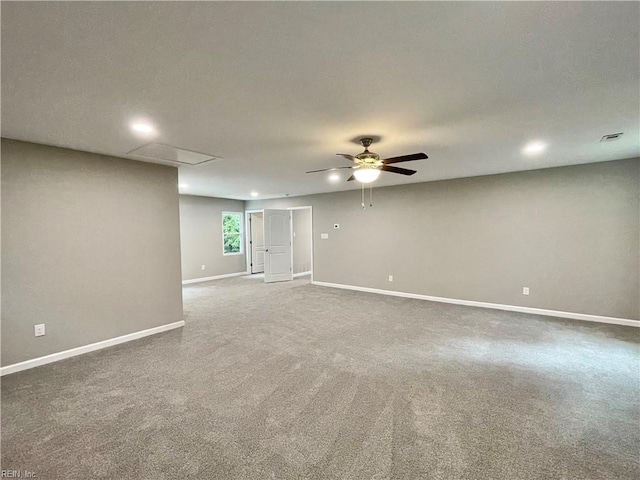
(277, 89)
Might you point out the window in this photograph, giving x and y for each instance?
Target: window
(231, 233)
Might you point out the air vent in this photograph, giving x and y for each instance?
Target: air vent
(612, 137)
(171, 154)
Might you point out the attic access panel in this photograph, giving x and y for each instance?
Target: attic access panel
(169, 153)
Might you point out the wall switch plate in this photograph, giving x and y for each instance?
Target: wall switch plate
(202, 267)
(324, 236)
(525, 290)
(336, 226)
(391, 278)
(38, 330)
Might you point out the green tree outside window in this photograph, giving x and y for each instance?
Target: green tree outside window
(232, 232)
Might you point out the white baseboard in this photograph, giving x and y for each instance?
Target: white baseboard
(513, 308)
(301, 274)
(216, 277)
(54, 357)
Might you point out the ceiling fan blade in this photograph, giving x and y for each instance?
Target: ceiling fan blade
(347, 156)
(327, 169)
(351, 178)
(405, 158)
(402, 171)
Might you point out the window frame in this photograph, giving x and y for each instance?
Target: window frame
(240, 233)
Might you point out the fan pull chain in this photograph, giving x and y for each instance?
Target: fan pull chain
(363, 205)
(371, 194)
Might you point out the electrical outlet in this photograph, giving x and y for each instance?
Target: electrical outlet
(525, 290)
(202, 267)
(324, 236)
(391, 278)
(38, 330)
(336, 226)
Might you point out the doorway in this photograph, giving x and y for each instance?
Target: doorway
(302, 233)
(301, 241)
(256, 242)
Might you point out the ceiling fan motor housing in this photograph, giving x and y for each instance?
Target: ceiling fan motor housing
(368, 159)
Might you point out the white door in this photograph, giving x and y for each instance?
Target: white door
(277, 243)
(257, 242)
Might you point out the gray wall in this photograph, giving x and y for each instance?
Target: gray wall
(302, 240)
(201, 237)
(570, 234)
(90, 248)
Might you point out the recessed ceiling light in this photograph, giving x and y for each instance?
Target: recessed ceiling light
(142, 127)
(254, 194)
(334, 177)
(534, 148)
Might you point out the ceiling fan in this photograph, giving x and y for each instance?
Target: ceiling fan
(368, 165)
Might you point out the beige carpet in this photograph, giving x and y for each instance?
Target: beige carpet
(295, 381)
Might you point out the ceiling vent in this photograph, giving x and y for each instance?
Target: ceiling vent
(168, 153)
(612, 137)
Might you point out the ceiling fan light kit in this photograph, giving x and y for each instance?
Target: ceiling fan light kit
(366, 175)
